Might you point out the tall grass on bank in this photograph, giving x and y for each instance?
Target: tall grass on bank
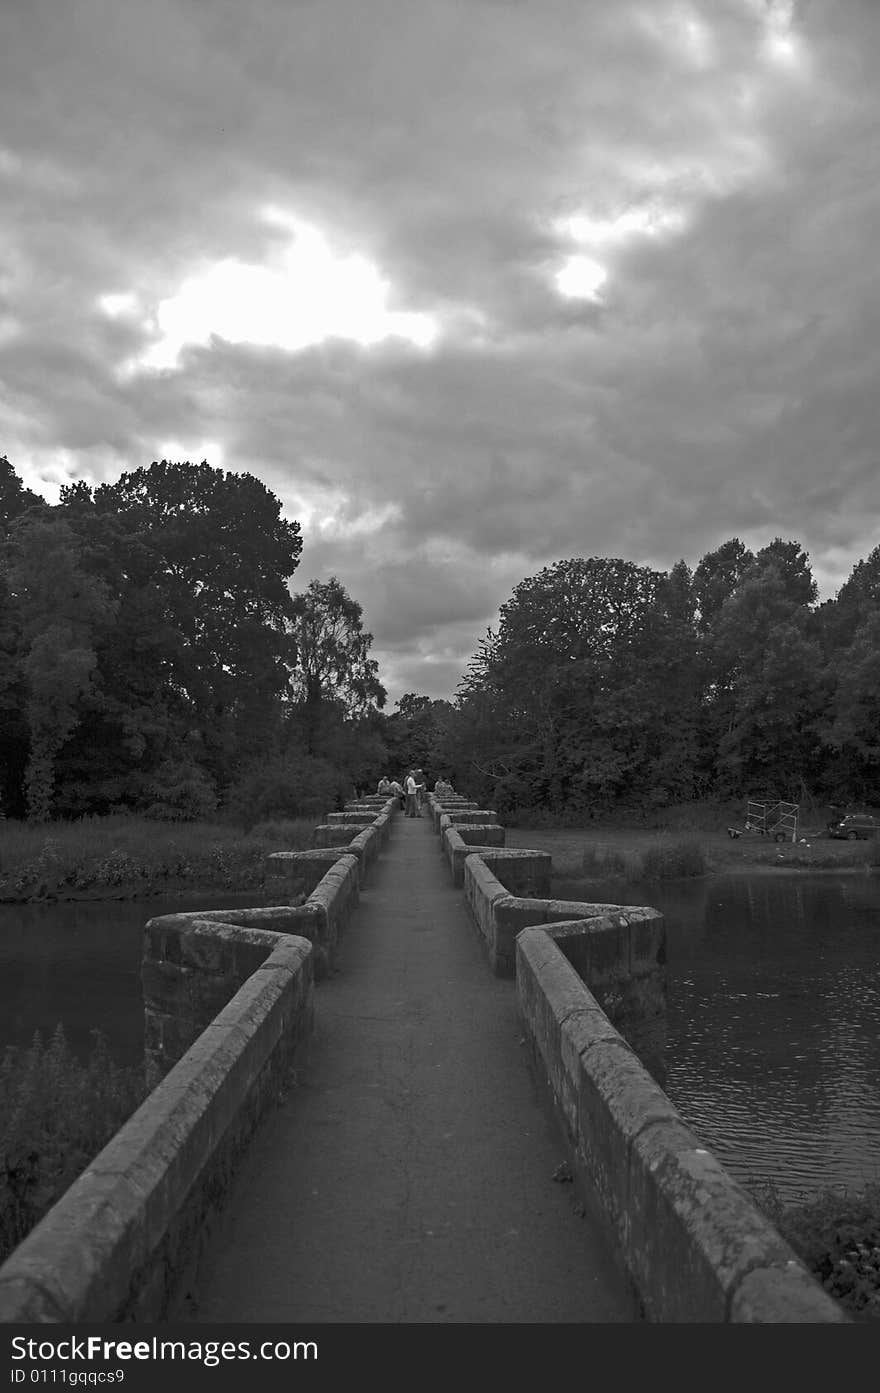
(837, 1236)
(667, 858)
(600, 862)
(672, 858)
(56, 1114)
(127, 855)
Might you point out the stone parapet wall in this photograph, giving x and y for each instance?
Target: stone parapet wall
(591, 990)
(294, 874)
(331, 834)
(695, 1245)
(440, 806)
(127, 1236)
(229, 1010)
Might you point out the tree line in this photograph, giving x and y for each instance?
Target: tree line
(154, 659)
(608, 683)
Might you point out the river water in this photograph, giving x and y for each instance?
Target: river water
(79, 964)
(774, 1009)
(773, 1053)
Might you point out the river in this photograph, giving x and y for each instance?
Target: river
(773, 1052)
(774, 1007)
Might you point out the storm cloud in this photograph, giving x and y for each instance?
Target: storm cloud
(470, 287)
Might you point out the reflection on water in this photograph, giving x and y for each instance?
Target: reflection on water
(774, 1005)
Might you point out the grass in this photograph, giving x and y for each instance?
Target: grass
(685, 848)
(663, 858)
(56, 1114)
(837, 1236)
(603, 864)
(122, 856)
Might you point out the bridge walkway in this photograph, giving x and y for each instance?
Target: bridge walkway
(409, 1175)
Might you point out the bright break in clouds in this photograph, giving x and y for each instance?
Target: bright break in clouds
(471, 288)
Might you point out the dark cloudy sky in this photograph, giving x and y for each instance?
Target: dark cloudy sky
(471, 285)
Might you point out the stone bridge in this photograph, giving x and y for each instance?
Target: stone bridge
(419, 1089)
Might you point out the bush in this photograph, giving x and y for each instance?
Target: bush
(300, 787)
(56, 1114)
(179, 791)
(284, 834)
(837, 1236)
(669, 859)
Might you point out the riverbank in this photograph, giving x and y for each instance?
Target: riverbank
(120, 857)
(606, 852)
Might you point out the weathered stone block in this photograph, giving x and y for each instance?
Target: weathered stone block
(298, 872)
(331, 834)
(521, 872)
(113, 1246)
(695, 1234)
(481, 834)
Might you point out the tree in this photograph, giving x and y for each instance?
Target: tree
(15, 499)
(853, 732)
(332, 665)
(61, 610)
(224, 556)
(558, 695)
(416, 735)
(716, 578)
(765, 671)
(670, 678)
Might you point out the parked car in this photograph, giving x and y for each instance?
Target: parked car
(854, 826)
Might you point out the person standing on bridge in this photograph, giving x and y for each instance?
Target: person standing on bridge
(421, 789)
(412, 794)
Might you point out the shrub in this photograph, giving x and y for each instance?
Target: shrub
(301, 787)
(56, 1114)
(836, 1235)
(179, 791)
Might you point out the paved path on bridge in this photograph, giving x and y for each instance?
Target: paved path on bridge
(410, 1175)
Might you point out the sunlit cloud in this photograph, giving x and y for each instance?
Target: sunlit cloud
(648, 221)
(780, 44)
(115, 306)
(195, 450)
(333, 515)
(312, 296)
(581, 278)
(339, 523)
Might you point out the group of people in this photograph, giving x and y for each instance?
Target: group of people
(413, 792)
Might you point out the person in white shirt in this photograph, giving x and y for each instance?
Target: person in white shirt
(412, 795)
